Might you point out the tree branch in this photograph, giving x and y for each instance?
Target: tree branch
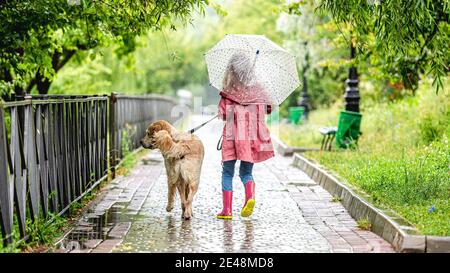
(428, 39)
(69, 54)
(33, 82)
(58, 61)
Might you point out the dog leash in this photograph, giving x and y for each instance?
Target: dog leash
(201, 125)
(219, 144)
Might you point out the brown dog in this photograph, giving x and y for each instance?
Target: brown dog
(183, 157)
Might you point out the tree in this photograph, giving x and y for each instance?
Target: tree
(38, 37)
(406, 38)
(315, 41)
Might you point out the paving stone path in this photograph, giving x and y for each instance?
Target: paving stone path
(292, 214)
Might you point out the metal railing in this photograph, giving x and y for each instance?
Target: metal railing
(131, 116)
(55, 149)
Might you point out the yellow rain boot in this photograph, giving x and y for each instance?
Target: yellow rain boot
(247, 210)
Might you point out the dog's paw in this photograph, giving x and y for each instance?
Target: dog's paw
(187, 215)
(169, 208)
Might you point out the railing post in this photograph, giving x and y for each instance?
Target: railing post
(112, 134)
(32, 171)
(6, 185)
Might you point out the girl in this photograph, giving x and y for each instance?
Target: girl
(242, 106)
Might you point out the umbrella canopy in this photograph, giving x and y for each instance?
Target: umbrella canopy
(252, 69)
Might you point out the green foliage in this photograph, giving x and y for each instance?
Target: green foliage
(406, 39)
(431, 129)
(88, 76)
(126, 141)
(39, 37)
(406, 123)
(129, 161)
(9, 248)
(130, 158)
(166, 61)
(76, 206)
(42, 233)
(320, 50)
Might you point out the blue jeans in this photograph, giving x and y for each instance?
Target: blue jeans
(245, 173)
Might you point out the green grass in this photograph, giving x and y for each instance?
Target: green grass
(364, 224)
(409, 183)
(130, 158)
(336, 199)
(41, 234)
(307, 135)
(129, 161)
(403, 158)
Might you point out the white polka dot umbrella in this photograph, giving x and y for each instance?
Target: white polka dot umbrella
(257, 64)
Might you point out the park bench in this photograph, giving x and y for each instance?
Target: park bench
(346, 133)
(328, 133)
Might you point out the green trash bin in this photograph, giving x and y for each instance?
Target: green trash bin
(295, 114)
(348, 130)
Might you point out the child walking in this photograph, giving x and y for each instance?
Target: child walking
(243, 106)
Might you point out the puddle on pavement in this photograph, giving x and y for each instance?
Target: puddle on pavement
(96, 226)
(155, 230)
(172, 234)
(150, 161)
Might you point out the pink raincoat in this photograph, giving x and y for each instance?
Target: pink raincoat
(245, 134)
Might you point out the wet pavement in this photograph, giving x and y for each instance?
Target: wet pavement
(292, 213)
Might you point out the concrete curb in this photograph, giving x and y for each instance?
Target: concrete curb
(285, 150)
(403, 237)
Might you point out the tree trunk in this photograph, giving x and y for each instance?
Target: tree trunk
(43, 85)
(58, 61)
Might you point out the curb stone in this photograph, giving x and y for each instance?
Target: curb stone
(402, 237)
